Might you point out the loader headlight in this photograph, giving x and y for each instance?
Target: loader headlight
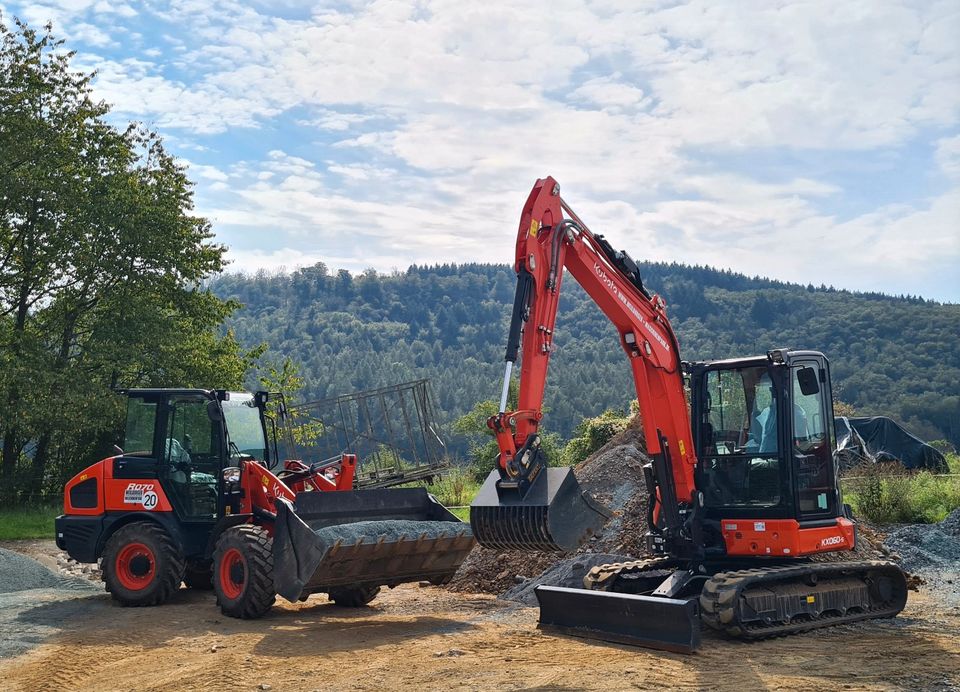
(231, 474)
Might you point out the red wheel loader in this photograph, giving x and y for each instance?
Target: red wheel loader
(198, 495)
(743, 483)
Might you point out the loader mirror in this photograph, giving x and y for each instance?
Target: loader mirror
(214, 412)
(807, 378)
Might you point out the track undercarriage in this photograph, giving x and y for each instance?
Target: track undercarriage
(754, 603)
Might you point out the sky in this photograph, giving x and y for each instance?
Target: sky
(808, 141)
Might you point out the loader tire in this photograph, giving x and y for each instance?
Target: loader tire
(354, 596)
(198, 576)
(243, 572)
(141, 565)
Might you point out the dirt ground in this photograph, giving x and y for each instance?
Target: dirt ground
(431, 638)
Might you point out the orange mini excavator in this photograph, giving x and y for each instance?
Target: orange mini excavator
(200, 495)
(742, 484)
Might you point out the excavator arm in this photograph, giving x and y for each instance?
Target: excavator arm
(511, 511)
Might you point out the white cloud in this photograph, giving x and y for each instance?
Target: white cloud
(432, 120)
(948, 155)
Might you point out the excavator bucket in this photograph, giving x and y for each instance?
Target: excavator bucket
(555, 514)
(668, 624)
(365, 538)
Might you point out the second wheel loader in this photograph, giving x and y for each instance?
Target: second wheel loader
(198, 495)
(742, 486)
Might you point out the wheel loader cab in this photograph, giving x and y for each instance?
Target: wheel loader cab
(189, 437)
(764, 439)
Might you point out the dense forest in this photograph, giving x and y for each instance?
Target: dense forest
(896, 356)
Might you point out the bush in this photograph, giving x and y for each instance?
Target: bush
(888, 494)
(592, 434)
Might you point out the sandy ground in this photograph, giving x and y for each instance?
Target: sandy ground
(430, 638)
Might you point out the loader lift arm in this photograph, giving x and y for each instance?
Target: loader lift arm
(551, 238)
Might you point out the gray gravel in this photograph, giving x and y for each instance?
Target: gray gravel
(20, 573)
(392, 530)
(568, 573)
(931, 551)
(36, 603)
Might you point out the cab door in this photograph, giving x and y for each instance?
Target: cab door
(812, 439)
(192, 450)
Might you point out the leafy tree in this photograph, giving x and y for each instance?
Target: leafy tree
(101, 268)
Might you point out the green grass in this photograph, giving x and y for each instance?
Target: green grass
(887, 494)
(27, 522)
(456, 489)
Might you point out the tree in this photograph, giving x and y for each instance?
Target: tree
(101, 268)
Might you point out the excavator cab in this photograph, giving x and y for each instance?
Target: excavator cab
(763, 433)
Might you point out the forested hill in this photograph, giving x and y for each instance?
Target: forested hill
(892, 356)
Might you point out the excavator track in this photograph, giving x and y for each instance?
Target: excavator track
(774, 601)
(617, 576)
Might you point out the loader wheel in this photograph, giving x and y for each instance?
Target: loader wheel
(198, 577)
(354, 596)
(243, 572)
(141, 565)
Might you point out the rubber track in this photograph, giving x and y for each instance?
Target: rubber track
(603, 577)
(260, 594)
(721, 597)
(170, 581)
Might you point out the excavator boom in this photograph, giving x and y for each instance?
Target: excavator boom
(523, 505)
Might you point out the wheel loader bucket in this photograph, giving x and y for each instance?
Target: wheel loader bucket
(555, 514)
(365, 538)
(668, 624)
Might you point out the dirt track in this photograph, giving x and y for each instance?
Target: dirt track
(434, 639)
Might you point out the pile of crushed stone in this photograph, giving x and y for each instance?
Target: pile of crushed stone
(390, 530)
(614, 475)
(21, 573)
(931, 551)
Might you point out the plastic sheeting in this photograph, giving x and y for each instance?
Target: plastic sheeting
(875, 439)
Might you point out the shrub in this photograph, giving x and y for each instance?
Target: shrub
(889, 494)
(592, 434)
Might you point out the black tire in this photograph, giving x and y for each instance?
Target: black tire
(199, 576)
(243, 572)
(354, 596)
(141, 565)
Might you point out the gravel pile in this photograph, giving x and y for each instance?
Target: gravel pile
(21, 573)
(569, 572)
(931, 551)
(614, 475)
(391, 530)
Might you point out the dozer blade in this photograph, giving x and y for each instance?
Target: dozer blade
(555, 514)
(669, 624)
(365, 538)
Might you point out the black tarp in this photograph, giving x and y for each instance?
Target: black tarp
(879, 438)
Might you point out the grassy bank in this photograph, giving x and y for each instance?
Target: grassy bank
(888, 494)
(27, 522)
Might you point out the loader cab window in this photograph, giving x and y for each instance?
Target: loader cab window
(245, 427)
(740, 460)
(813, 442)
(191, 456)
(141, 424)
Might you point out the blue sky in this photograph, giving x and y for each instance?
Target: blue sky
(809, 141)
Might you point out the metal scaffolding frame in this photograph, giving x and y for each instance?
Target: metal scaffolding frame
(392, 430)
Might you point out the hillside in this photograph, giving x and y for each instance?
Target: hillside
(896, 356)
